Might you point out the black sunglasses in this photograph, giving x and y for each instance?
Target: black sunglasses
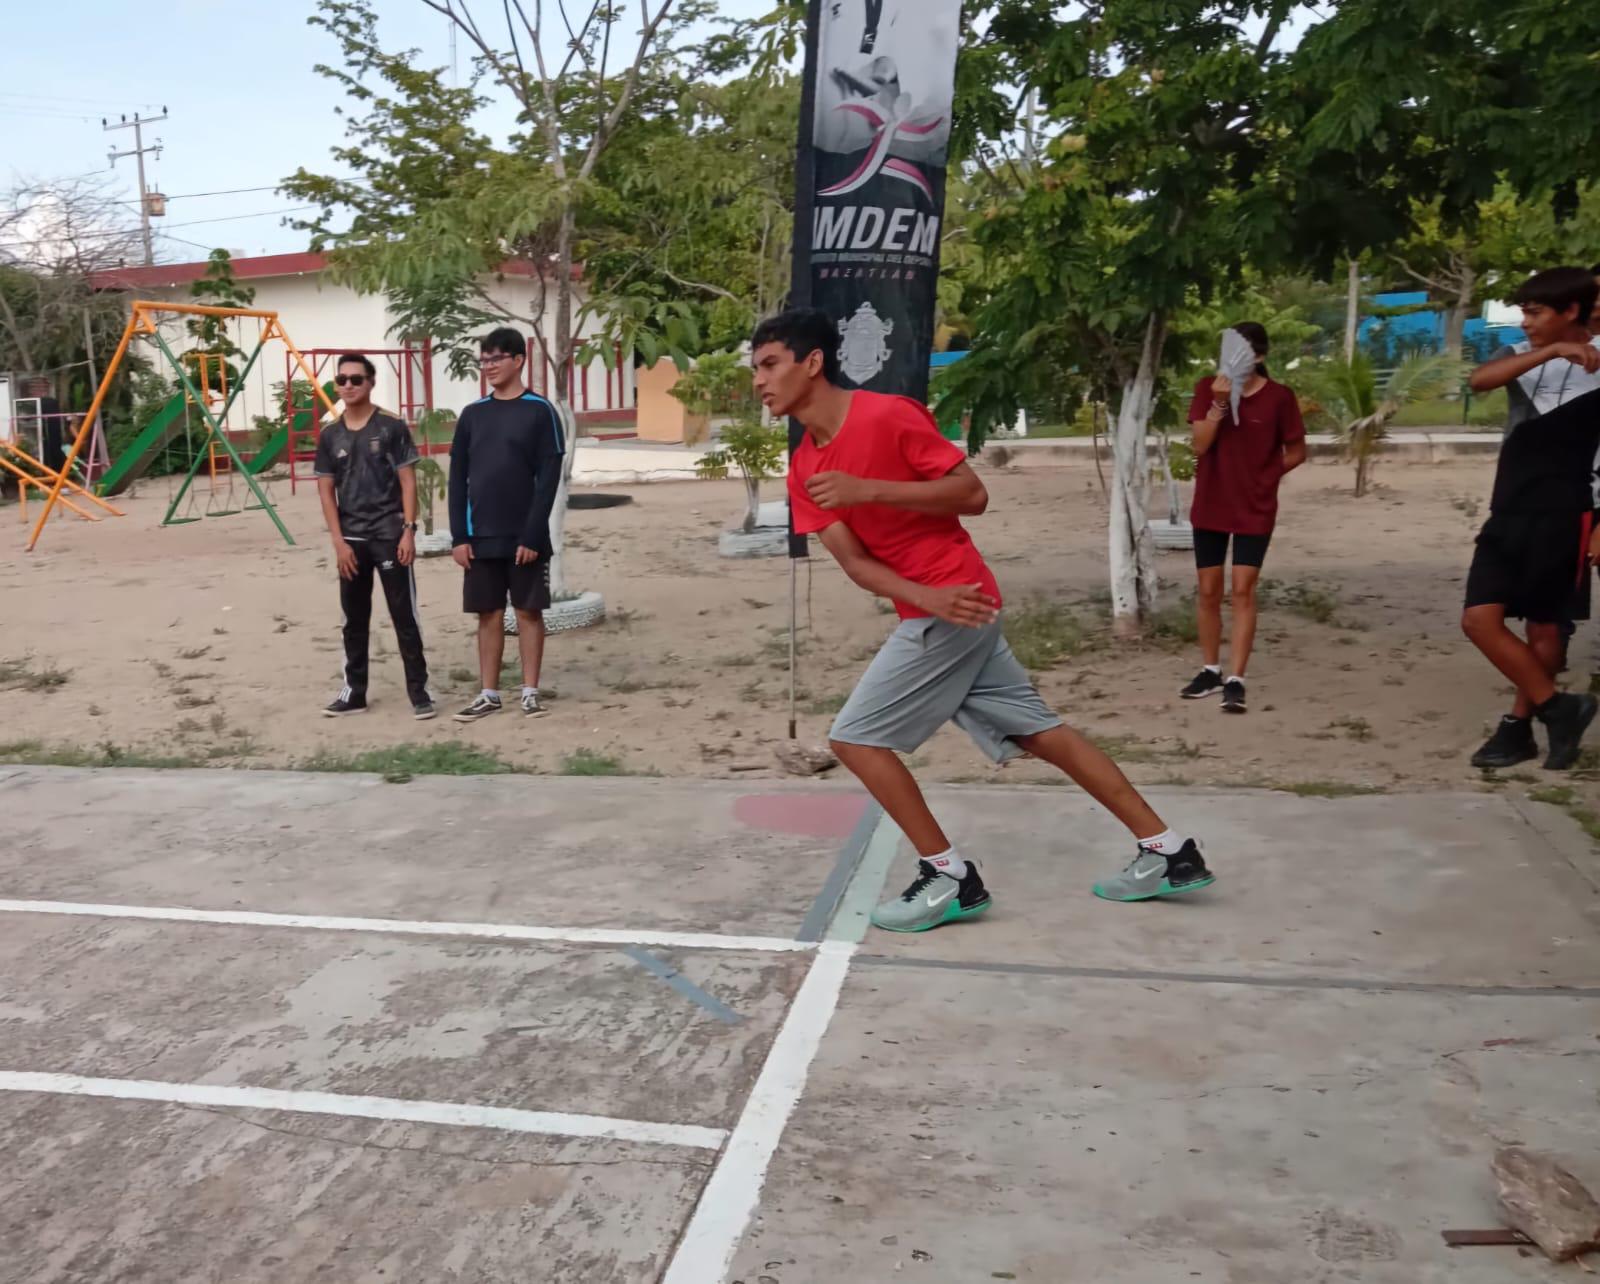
(357, 380)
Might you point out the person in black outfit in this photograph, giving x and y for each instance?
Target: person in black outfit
(367, 481)
(505, 470)
(1538, 543)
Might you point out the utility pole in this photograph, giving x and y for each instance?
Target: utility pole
(138, 150)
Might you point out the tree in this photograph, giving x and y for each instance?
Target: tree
(1151, 186)
(439, 208)
(218, 288)
(719, 384)
(1360, 402)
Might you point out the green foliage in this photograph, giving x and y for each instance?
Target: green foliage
(217, 288)
(1181, 461)
(1359, 402)
(1042, 634)
(445, 758)
(755, 449)
(718, 384)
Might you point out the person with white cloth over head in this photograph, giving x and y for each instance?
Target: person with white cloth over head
(1247, 434)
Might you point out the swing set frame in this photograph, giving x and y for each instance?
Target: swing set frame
(142, 321)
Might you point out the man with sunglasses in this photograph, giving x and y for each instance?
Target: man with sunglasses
(367, 481)
(505, 469)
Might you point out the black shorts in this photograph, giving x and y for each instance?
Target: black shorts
(1211, 549)
(1533, 564)
(490, 581)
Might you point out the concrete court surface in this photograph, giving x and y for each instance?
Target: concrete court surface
(278, 1027)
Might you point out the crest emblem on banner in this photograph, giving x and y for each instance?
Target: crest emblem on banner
(864, 349)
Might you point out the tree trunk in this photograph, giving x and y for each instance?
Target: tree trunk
(1455, 326)
(752, 507)
(1132, 550)
(569, 422)
(1352, 310)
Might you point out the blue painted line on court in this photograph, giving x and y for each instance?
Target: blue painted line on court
(821, 913)
(682, 984)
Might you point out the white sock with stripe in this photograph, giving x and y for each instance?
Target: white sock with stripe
(949, 862)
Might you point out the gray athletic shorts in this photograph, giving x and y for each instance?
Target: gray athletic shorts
(929, 673)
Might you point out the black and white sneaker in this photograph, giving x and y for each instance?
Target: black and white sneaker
(344, 704)
(533, 705)
(424, 712)
(479, 709)
(1206, 682)
(1233, 696)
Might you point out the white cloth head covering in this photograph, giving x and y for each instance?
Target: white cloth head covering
(1238, 362)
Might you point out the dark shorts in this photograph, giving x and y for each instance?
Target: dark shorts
(1533, 565)
(1211, 549)
(490, 581)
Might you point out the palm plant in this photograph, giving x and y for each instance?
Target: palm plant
(1361, 401)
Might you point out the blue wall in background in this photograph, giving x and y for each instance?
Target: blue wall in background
(1388, 339)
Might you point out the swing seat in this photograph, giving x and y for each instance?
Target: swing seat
(181, 521)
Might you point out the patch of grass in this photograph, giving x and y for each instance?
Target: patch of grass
(448, 758)
(193, 653)
(1310, 601)
(188, 700)
(590, 762)
(106, 754)
(1131, 749)
(751, 691)
(1327, 789)
(1353, 728)
(1173, 624)
(1043, 634)
(459, 675)
(21, 675)
(825, 705)
(1556, 795)
(735, 662)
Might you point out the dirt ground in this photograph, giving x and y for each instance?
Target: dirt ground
(214, 642)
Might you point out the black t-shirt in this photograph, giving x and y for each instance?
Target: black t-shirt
(365, 465)
(505, 469)
(1545, 463)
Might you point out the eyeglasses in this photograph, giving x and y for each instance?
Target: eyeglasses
(495, 359)
(355, 381)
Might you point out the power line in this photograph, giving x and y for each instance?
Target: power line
(239, 191)
(199, 222)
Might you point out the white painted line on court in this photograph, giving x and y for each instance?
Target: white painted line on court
(732, 1194)
(481, 931)
(449, 1114)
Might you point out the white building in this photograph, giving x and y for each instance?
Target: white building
(324, 318)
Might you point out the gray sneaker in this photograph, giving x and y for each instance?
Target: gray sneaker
(932, 899)
(1152, 874)
(533, 706)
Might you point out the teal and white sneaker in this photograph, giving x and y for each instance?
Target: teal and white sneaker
(1151, 874)
(933, 899)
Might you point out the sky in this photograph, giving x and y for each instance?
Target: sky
(245, 107)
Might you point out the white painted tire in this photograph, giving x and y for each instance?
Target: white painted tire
(575, 613)
(436, 545)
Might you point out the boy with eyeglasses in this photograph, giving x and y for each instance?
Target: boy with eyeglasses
(367, 482)
(505, 469)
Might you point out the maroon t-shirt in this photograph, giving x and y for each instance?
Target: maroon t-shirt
(1236, 481)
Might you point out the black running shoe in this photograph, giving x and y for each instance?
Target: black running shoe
(1206, 682)
(1233, 696)
(344, 704)
(1511, 743)
(1566, 717)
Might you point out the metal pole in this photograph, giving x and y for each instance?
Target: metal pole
(99, 452)
(144, 199)
(794, 611)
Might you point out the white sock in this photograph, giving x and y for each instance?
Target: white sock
(1169, 842)
(948, 862)
(1234, 677)
(491, 695)
(528, 691)
(1213, 668)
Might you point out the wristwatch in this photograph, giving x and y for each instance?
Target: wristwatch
(410, 526)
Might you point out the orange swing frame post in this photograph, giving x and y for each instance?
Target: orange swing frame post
(141, 320)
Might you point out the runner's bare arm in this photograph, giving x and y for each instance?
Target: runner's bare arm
(963, 604)
(959, 493)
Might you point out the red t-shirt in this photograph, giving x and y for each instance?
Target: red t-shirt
(1236, 481)
(892, 439)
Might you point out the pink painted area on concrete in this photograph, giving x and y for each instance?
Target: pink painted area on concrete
(813, 815)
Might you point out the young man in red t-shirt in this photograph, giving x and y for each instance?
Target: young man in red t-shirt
(886, 493)
(1240, 461)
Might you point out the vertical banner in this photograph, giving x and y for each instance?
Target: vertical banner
(870, 171)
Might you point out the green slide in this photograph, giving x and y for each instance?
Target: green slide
(276, 444)
(166, 424)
